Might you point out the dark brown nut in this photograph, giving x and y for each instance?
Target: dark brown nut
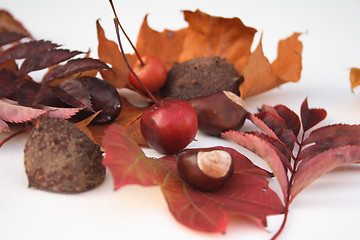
(201, 77)
(104, 98)
(58, 157)
(205, 170)
(219, 112)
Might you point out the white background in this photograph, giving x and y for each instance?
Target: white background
(328, 209)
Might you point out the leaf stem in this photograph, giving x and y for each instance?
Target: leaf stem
(117, 24)
(289, 199)
(14, 135)
(127, 37)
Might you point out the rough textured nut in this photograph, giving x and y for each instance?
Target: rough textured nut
(205, 169)
(201, 77)
(58, 157)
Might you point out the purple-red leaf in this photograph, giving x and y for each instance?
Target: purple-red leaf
(310, 117)
(27, 49)
(282, 151)
(74, 66)
(10, 111)
(64, 113)
(333, 131)
(329, 137)
(278, 126)
(46, 59)
(263, 149)
(9, 37)
(291, 119)
(247, 193)
(261, 125)
(7, 81)
(75, 93)
(322, 163)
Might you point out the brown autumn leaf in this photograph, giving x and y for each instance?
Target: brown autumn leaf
(205, 36)
(354, 78)
(208, 36)
(109, 52)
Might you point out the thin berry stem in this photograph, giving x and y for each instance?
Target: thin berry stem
(116, 22)
(127, 37)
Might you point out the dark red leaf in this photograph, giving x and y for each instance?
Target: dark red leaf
(46, 59)
(74, 66)
(281, 150)
(261, 125)
(10, 24)
(7, 82)
(263, 149)
(247, 193)
(291, 119)
(9, 37)
(75, 93)
(310, 117)
(278, 126)
(329, 137)
(25, 94)
(27, 49)
(322, 163)
(336, 130)
(327, 144)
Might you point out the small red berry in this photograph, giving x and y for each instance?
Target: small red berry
(170, 126)
(152, 74)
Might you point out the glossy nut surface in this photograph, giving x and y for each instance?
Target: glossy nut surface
(206, 170)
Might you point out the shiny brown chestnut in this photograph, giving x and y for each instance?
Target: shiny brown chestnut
(205, 169)
(219, 112)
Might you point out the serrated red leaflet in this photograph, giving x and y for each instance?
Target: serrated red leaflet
(261, 125)
(280, 148)
(247, 193)
(46, 59)
(10, 111)
(74, 66)
(291, 119)
(310, 117)
(9, 37)
(75, 93)
(322, 163)
(264, 150)
(64, 113)
(278, 126)
(336, 130)
(27, 49)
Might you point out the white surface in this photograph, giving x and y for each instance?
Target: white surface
(328, 209)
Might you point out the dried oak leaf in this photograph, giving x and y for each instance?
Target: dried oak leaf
(247, 193)
(209, 36)
(354, 78)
